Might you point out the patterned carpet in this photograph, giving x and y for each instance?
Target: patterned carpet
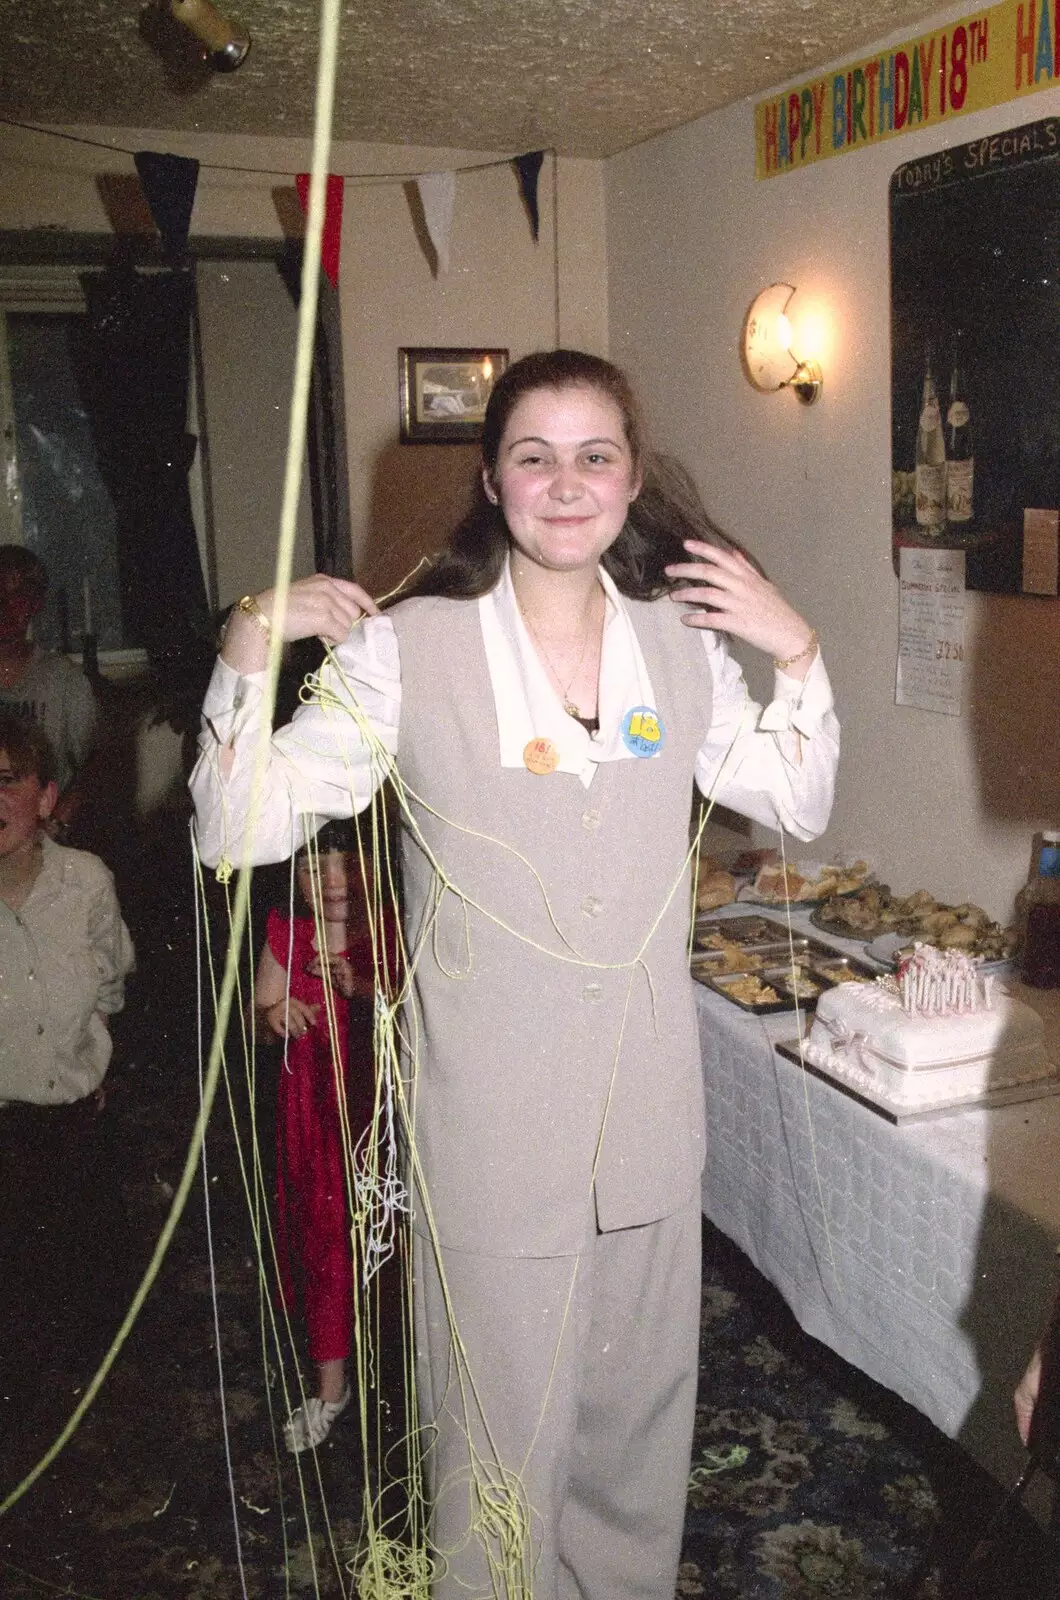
(808, 1482)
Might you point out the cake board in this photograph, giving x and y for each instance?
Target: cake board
(900, 1115)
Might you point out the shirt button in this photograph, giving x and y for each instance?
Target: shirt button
(593, 992)
(40, 1027)
(591, 906)
(591, 820)
(31, 973)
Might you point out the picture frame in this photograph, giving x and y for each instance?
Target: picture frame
(443, 392)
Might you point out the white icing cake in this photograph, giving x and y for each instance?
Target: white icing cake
(863, 1035)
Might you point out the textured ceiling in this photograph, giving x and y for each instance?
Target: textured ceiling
(588, 77)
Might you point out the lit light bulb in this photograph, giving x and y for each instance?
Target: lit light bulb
(813, 336)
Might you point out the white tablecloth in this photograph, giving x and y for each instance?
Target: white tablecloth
(924, 1253)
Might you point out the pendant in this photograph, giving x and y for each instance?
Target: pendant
(571, 709)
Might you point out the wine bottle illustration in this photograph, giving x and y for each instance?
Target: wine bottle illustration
(960, 455)
(930, 456)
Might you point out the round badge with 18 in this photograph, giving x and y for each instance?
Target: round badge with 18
(643, 733)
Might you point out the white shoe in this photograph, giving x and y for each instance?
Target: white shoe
(311, 1423)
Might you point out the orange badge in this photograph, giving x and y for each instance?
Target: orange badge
(541, 756)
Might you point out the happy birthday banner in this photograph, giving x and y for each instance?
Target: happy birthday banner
(999, 54)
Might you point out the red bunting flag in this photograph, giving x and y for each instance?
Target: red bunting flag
(331, 241)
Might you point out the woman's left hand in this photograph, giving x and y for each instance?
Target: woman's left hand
(741, 602)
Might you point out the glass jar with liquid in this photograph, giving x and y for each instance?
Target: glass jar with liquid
(1041, 939)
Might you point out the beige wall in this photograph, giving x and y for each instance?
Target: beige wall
(248, 323)
(502, 289)
(944, 803)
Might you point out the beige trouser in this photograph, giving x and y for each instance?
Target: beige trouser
(584, 1371)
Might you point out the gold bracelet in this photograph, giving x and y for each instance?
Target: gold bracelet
(808, 647)
(250, 608)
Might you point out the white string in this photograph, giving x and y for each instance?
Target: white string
(381, 1193)
(267, 172)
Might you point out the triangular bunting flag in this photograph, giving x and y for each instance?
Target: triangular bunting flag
(438, 196)
(529, 168)
(169, 184)
(332, 236)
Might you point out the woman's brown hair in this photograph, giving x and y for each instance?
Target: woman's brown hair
(667, 510)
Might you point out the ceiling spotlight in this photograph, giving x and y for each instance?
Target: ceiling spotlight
(225, 45)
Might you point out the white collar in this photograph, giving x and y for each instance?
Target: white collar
(526, 702)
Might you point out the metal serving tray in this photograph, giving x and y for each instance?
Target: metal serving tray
(768, 953)
(743, 930)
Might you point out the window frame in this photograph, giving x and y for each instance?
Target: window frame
(40, 272)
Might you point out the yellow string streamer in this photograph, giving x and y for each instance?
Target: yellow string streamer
(325, 92)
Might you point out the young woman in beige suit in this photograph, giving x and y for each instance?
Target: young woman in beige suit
(547, 706)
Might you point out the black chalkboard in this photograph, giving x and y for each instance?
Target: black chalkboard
(975, 285)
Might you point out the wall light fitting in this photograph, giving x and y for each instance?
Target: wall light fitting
(226, 46)
(769, 360)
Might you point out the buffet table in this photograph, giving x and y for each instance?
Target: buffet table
(923, 1253)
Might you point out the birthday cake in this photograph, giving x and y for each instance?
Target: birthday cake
(937, 1034)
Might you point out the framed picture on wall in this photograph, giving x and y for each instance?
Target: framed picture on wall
(975, 377)
(443, 393)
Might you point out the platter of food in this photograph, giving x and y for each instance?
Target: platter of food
(761, 878)
(889, 948)
(917, 918)
(755, 963)
(778, 883)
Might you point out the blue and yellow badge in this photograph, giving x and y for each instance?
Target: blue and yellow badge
(642, 731)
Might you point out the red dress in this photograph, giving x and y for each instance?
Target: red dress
(313, 1216)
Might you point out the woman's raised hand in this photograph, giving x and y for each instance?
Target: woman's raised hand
(727, 593)
(320, 606)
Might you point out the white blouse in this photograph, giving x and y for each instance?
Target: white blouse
(775, 764)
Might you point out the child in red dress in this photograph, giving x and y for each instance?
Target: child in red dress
(314, 1158)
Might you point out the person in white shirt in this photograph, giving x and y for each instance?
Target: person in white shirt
(545, 710)
(64, 956)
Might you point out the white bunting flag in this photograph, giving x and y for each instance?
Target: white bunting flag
(438, 196)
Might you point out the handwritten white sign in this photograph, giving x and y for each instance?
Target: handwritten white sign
(930, 630)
